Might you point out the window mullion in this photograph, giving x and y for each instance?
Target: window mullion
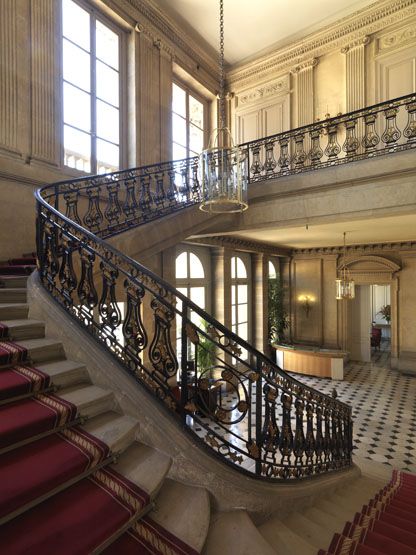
(187, 124)
(93, 96)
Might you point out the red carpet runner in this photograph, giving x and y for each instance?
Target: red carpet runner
(19, 380)
(11, 353)
(386, 526)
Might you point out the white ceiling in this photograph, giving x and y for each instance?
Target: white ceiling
(390, 229)
(253, 26)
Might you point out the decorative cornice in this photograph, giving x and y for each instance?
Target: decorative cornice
(384, 264)
(397, 38)
(362, 41)
(335, 36)
(307, 64)
(273, 88)
(157, 23)
(383, 247)
(238, 244)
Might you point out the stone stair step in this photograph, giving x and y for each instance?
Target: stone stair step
(65, 373)
(310, 531)
(25, 329)
(144, 466)
(43, 350)
(10, 311)
(334, 523)
(114, 430)
(13, 281)
(234, 533)
(184, 511)
(90, 400)
(13, 295)
(332, 508)
(284, 540)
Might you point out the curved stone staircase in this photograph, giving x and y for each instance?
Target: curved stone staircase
(37, 511)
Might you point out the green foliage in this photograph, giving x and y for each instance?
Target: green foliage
(278, 319)
(205, 350)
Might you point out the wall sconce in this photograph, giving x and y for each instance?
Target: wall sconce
(306, 301)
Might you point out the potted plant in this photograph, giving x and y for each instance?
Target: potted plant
(385, 311)
(278, 318)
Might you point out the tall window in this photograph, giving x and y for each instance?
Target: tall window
(272, 270)
(188, 115)
(239, 298)
(91, 90)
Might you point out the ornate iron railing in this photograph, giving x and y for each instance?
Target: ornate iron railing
(229, 396)
(381, 129)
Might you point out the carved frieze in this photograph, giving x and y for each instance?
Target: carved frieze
(397, 38)
(273, 88)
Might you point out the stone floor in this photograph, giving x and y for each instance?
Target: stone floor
(384, 412)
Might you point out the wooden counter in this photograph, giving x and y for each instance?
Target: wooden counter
(311, 361)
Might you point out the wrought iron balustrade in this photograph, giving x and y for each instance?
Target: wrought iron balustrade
(229, 396)
(373, 131)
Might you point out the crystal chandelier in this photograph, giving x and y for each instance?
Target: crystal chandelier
(223, 166)
(345, 287)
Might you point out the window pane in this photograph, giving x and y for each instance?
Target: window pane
(76, 23)
(76, 65)
(107, 122)
(198, 296)
(242, 313)
(233, 317)
(242, 293)
(106, 45)
(196, 138)
(77, 107)
(196, 112)
(107, 156)
(241, 269)
(272, 270)
(107, 84)
(184, 291)
(243, 331)
(179, 130)
(233, 267)
(178, 152)
(181, 271)
(233, 289)
(196, 268)
(77, 147)
(178, 100)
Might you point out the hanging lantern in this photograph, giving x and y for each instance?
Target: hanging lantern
(223, 166)
(344, 284)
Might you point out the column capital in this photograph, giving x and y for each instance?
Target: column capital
(362, 41)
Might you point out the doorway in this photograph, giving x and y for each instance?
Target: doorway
(369, 317)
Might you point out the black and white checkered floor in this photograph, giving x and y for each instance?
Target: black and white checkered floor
(384, 412)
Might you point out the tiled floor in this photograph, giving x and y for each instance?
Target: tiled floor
(384, 411)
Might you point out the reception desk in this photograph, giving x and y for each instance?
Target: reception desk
(312, 361)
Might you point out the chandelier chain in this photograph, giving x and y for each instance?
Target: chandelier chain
(221, 63)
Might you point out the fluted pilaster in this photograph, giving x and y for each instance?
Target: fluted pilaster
(305, 91)
(355, 74)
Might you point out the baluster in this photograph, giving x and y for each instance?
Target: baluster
(270, 162)
(159, 197)
(319, 440)
(130, 205)
(299, 440)
(299, 157)
(332, 148)
(172, 193)
(316, 152)
(327, 437)
(283, 160)
(185, 189)
(310, 439)
(196, 188)
(87, 292)
(134, 331)
(256, 166)
(113, 209)
(161, 353)
(270, 435)
(335, 438)
(107, 307)
(67, 275)
(391, 132)
(410, 129)
(145, 199)
(371, 138)
(51, 255)
(94, 217)
(71, 198)
(286, 437)
(351, 142)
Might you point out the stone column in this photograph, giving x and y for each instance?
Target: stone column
(305, 91)
(329, 302)
(406, 315)
(285, 277)
(221, 284)
(259, 302)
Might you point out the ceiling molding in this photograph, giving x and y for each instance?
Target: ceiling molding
(238, 244)
(346, 31)
(376, 247)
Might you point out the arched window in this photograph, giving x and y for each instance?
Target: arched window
(272, 270)
(239, 298)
